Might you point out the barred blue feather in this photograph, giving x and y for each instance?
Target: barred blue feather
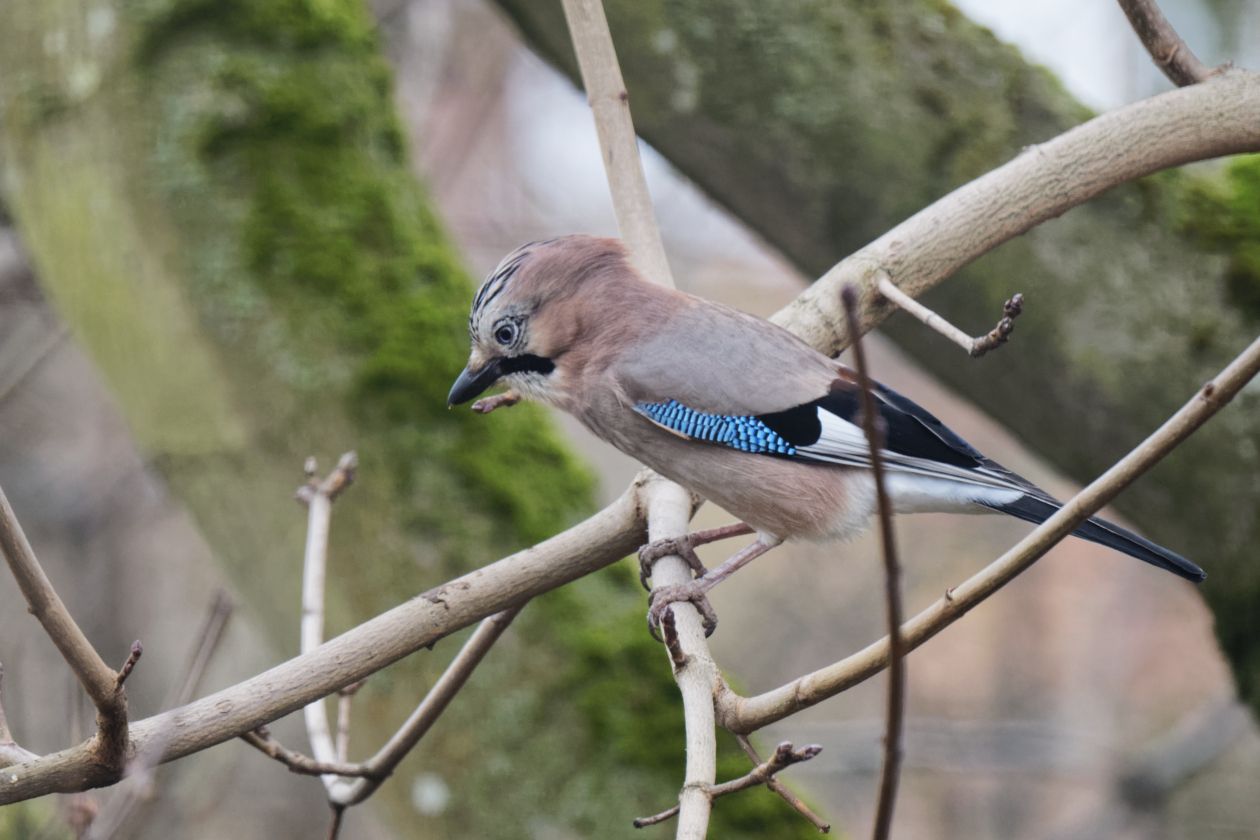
(747, 434)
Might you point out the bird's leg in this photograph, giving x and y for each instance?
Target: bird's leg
(694, 591)
(685, 547)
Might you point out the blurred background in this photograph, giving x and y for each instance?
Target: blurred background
(238, 233)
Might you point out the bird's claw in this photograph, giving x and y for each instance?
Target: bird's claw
(663, 597)
(655, 550)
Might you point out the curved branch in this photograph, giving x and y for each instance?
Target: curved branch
(1218, 117)
(1167, 49)
(102, 683)
(604, 538)
(746, 714)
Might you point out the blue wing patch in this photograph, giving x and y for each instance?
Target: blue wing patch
(747, 434)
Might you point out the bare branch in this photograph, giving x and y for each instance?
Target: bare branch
(1169, 51)
(99, 680)
(975, 347)
(420, 622)
(262, 740)
(344, 699)
(430, 709)
(318, 496)
(606, 93)
(746, 714)
(763, 774)
(133, 656)
(669, 509)
(1218, 117)
(873, 427)
(778, 787)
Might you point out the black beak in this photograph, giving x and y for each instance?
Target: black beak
(472, 382)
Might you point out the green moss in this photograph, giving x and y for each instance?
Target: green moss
(1222, 214)
(299, 132)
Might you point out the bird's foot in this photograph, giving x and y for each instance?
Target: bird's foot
(684, 547)
(663, 597)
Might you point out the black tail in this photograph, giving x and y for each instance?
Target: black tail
(1032, 509)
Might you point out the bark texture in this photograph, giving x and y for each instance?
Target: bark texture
(822, 124)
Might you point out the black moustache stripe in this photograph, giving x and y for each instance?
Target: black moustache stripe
(527, 363)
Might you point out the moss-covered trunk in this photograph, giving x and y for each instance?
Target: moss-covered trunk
(821, 124)
(216, 198)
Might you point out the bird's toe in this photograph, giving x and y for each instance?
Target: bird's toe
(663, 597)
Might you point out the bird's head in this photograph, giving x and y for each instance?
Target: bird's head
(533, 311)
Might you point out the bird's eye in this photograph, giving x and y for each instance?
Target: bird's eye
(505, 334)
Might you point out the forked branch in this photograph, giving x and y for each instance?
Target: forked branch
(785, 755)
(102, 683)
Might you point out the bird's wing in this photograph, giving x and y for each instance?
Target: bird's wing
(828, 430)
(719, 360)
(716, 375)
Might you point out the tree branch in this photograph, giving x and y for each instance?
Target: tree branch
(746, 714)
(1169, 51)
(778, 787)
(873, 427)
(262, 740)
(763, 774)
(381, 765)
(599, 541)
(975, 347)
(669, 507)
(610, 102)
(102, 684)
(318, 495)
(1218, 117)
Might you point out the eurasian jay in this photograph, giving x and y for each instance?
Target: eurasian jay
(732, 407)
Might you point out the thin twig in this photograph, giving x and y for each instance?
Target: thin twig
(344, 699)
(262, 740)
(873, 426)
(133, 656)
(610, 102)
(97, 678)
(975, 346)
(778, 787)
(1170, 53)
(381, 765)
(747, 714)
(763, 774)
(318, 495)
(334, 828)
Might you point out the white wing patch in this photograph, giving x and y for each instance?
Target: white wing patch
(842, 442)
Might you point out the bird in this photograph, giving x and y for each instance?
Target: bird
(730, 406)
